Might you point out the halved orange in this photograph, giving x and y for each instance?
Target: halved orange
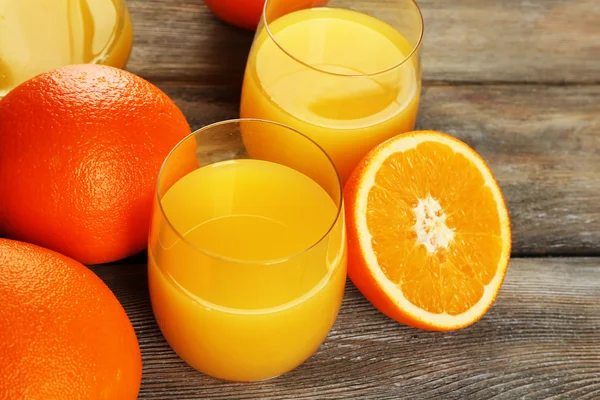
(428, 230)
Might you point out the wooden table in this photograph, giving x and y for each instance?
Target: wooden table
(519, 80)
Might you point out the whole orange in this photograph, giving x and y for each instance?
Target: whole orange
(247, 13)
(81, 147)
(242, 13)
(63, 335)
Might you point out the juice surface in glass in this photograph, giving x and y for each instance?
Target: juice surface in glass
(39, 35)
(329, 82)
(251, 285)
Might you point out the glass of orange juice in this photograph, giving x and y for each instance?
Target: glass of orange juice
(247, 249)
(345, 72)
(39, 35)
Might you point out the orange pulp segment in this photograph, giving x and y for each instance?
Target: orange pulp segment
(428, 229)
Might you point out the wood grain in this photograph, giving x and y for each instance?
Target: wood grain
(541, 340)
(542, 143)
(554, 41)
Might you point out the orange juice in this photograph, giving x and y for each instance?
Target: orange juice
(39, 35)
(245, 279)
(330, 84)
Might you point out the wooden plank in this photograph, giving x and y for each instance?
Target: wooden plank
(540, 340)
(512, 40)
(183, 41)
(542, 143)
(465, 41)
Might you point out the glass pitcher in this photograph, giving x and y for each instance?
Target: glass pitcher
(39, 35)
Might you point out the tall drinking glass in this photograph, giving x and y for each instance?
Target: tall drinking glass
(247, 249)
(347, 73)
(39, 35)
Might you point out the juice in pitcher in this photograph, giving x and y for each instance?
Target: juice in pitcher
(39, 35)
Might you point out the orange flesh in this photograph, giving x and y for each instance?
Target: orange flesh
(450, 279)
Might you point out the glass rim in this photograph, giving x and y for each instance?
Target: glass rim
(340, 205)
(383, 71)
(121, 6)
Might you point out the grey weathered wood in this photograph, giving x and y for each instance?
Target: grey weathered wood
(540, 340)
(183, 41)
(465, 41)
(542, 143)
(512, 40)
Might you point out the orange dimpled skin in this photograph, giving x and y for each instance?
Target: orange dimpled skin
(63, 334)
(247, 13)
(81, 149)
(242, 13)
